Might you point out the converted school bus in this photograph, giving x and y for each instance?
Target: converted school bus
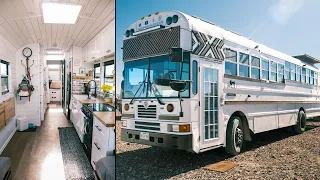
(234, 87)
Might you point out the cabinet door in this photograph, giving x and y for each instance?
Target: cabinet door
(106, 41)
(112, 37)
(84, 54)
(91, 50)
(98, 47)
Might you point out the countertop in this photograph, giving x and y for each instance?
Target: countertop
(106, 118)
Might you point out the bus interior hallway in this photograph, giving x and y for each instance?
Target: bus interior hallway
(37, 155)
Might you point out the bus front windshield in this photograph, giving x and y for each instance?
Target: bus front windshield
(157, 68)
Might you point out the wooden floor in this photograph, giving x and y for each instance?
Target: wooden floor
(37, 155)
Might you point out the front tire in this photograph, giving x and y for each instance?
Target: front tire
(300, 127)
(234, 136)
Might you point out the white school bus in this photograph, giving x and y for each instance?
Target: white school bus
(192, 85)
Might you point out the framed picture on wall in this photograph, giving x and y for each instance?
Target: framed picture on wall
(82, 70)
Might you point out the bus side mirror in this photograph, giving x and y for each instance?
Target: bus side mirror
(176, 55)
(178, 85)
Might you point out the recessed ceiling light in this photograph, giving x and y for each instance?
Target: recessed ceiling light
(56, 13)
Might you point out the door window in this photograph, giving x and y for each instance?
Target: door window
(211, 103)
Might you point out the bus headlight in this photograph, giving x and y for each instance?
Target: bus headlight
(126, 107)
(124, 123)
(170, 107)
(181, 128)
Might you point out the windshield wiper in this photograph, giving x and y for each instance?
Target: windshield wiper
(155, 94)
(153, 89)
(142, 83)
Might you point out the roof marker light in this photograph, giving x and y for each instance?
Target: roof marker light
(169, 20)
(175, 18)
(127, 33)
(131, 32)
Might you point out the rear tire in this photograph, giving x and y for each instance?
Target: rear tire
(300, 127)
(234, 136)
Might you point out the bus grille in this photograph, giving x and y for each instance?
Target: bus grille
(147, 126)
(151, 44)
(150, 112)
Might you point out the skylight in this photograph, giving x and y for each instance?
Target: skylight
(56, 13)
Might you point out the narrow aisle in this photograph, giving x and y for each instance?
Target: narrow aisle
(37, 155)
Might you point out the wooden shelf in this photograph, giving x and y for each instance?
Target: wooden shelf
(82, 77)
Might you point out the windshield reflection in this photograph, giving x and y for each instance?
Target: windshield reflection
(136, 74)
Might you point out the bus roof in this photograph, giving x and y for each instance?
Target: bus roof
(195, 23)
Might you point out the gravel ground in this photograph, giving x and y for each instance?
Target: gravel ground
(277, 154)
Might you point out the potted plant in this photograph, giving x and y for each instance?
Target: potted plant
(107, 89)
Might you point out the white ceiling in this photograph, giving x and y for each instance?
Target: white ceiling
(21, 23)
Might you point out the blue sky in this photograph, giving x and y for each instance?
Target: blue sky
(289, 26)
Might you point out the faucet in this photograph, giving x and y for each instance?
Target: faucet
(89, 88)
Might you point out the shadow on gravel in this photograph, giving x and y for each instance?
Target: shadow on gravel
(158, 163)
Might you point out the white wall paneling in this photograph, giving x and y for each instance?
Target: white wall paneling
(7, 53)
(21, 23)
(31, 108)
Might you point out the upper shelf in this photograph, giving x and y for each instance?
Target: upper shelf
(82, 77)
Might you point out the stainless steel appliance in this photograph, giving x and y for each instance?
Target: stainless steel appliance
(88, 110)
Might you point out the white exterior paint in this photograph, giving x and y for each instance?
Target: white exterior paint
(266, 105)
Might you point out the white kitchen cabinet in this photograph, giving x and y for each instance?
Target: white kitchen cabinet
(103, 141)
(101, 45)
(91, 50)
(108, 40)
(55, 95)
(98, 50)
(85, 54)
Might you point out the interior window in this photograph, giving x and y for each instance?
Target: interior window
(280, 72)
(265, 69)
(96, 74)
(194, 77)
(243, 65)
(273, 70)
(255, 67)
(287, 70)
(4, 77)
(108, 72)
(231, 62)
(298, 74)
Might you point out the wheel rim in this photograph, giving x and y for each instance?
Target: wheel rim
(238, 138)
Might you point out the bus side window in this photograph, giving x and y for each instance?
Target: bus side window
(194, 77)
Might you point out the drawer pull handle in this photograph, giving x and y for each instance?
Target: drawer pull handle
(98, 128)
(97, 146)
